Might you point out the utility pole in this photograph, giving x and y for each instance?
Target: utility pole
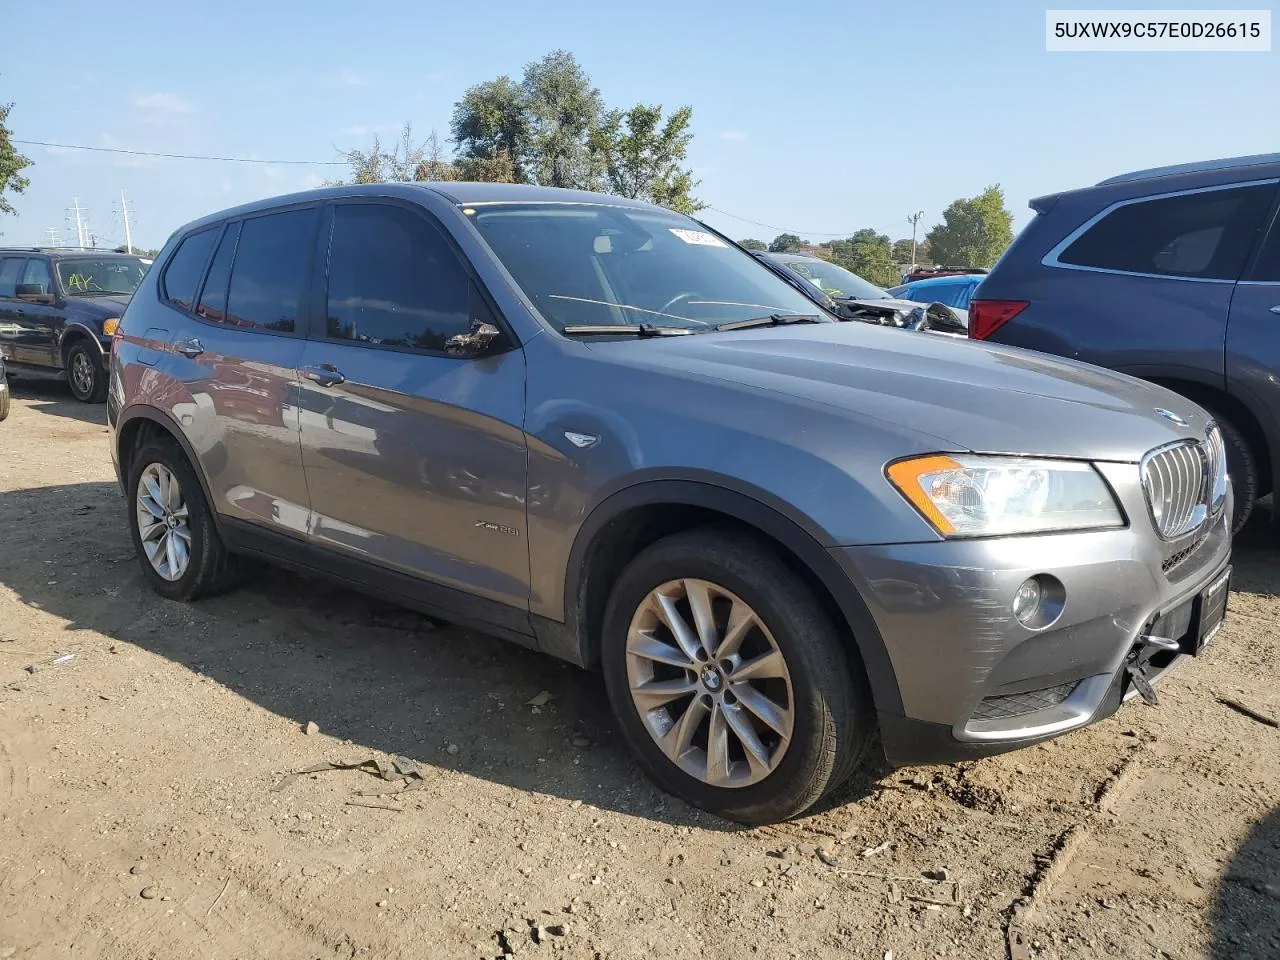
(915, 219)
(79, 223)
(53, 236)
(124, 210)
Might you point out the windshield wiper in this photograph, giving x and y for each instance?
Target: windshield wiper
(625, 329)
(772, 320)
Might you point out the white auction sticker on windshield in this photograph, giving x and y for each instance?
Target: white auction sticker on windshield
(698, 237)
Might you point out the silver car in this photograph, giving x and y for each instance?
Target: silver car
(598, 429)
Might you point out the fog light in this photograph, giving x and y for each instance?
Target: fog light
(1026, 602)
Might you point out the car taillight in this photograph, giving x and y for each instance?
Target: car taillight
(988, 316)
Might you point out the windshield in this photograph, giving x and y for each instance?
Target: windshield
(89, 277)
(588, 264)
(835, 281)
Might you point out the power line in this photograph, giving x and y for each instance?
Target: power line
(180, 156)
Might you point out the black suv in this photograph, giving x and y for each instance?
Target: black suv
(59, 309)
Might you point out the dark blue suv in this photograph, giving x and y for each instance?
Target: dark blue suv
(1170, 274)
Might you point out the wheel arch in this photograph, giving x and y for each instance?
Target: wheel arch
(72, 334)
(630, 519)
(140, 424)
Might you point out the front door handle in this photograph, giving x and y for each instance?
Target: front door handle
(325, 374)
(191, 347)
(1276, 308)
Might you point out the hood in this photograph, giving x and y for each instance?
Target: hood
(887, 303)
(102, 305)
(978, 397)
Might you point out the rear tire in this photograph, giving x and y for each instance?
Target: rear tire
(1242, 466)
(816, 691)
(179, 549)
(86, 374)
(4, 401)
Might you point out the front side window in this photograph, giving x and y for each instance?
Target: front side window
(182, 276)
(89, 277)
(597, 264)
(269, 277)
(37, 275)
(836, 281)
(1205, 235)
(394, 281)
(10, 271)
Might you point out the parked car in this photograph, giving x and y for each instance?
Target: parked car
(4, 391)
(842, 291)
(954, 291)
(1170, 274)
(927, 273)
(58, 311)
(772, 532)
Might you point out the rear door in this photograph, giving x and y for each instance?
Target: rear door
(12, 310)
(415, 458)
(1253, 335)
(238, 357)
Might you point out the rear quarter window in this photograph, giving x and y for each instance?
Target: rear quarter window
(186, 269)
(1206, 234)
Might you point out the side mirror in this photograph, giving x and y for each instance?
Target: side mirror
(33, 293)
(474, 342)
(938, 316)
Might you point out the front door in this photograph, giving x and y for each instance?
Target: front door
(42, 321)
(415, 459)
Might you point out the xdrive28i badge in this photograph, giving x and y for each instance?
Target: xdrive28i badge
(1171, 416)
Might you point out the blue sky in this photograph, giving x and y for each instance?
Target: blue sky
(820, 117)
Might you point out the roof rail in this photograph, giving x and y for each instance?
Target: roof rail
(1203, 166)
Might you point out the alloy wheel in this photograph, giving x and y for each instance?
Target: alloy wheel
(163, 522)
(82, 373)
(710, 683)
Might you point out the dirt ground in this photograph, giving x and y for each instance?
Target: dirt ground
(144, 810)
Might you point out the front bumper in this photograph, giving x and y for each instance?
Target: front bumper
(973, 681)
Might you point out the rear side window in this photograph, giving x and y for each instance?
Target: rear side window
(269, 277)
(1205, 235)
(10, 271)
(393, 280)
(213, 301)
(182, 276)
(1268, 266)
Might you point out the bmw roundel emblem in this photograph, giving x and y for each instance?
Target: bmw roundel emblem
(1171, 416)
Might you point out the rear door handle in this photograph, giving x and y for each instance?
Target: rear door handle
(1276, 308)
(325, 374)
(191, 347)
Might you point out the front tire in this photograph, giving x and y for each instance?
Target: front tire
(730, 682)
(1242, 466)
(86, 373)
(178, 546)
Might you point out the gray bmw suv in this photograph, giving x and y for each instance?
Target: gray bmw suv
(597, 428)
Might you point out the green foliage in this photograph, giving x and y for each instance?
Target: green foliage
(407, 160)
(784, 242)
(866, 253)
(641, 156)
(490, 124)
(753, 244)
(902, 250)
(12, 163)
(561, 109)
(974, 231)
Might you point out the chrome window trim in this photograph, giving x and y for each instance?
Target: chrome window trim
(1051, 259)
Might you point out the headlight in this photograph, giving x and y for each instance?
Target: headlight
(978, 496)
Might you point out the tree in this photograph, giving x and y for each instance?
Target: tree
(641, 156)
(902, 251)
(974, 231)
(866, 253)
(490, 126)
(561, 108)
(753, 244)
(12, 163)
(406, 161)
(784, 242)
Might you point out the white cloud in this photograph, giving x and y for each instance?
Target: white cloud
(348, 80)
(736, 136)
(162, 107)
